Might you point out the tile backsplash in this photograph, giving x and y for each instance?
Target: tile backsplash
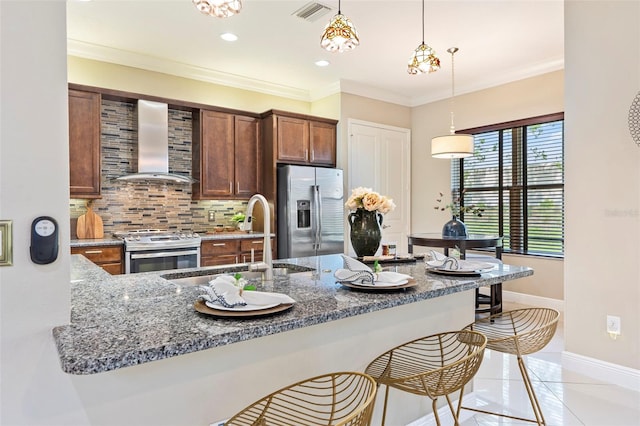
(149, 205)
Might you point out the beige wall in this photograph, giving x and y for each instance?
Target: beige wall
(134, 80)
(602, 262)
(522, 99)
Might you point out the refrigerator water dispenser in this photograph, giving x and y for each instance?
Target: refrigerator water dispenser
(304, 213)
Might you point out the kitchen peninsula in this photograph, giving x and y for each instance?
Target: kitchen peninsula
(127, 320)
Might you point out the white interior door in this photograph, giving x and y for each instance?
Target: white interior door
(380, 158)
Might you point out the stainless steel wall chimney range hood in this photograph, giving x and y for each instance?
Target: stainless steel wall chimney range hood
(153, 145)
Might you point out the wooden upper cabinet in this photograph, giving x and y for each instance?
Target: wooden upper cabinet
(293, 139)
(247, 156)
(225, 155)
(84, 144)
(322, 143)
(305, 141)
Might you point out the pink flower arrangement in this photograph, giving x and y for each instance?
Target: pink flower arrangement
(366, 198)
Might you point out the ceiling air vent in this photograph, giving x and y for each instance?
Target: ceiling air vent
(312, 11)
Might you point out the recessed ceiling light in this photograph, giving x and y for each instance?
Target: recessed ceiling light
(322, 63)
(228, 37)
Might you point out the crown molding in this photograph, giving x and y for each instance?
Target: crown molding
(150, 63)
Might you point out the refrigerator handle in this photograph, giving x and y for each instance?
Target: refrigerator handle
(318, 207)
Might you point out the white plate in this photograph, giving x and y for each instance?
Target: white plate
(382, 284)
(247, 308)
(464, 266)
(463, 271)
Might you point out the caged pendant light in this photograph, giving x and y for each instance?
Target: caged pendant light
(424, 59)
(218, 8)
(452, 145)
(339, 35)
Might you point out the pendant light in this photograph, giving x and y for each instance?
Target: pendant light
(424, 59)
(452, 145)
(339, 34)
(218, 8)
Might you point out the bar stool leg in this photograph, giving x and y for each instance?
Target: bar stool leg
(532, 395)
(435, 411)
(384, 408)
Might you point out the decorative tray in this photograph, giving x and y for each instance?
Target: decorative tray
(201, 307)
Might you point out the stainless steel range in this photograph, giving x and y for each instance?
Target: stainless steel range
(159, 250)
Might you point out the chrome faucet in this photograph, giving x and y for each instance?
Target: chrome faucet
(266, 266)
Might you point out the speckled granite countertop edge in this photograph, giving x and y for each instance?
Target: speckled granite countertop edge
(111, 312)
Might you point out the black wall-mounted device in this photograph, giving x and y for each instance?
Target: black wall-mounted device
(44, 240)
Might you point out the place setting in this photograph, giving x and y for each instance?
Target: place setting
(446, 265)
(357, 275)
(226, 296)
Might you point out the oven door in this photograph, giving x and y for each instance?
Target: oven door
(161, 260)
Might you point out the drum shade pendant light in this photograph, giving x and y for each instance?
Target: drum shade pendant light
(218, 8)
(452, 145)
(339, 34)
(424, 59)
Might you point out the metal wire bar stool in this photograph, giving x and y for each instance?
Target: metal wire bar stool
(431, 366)
(340, 399)
(519, 332)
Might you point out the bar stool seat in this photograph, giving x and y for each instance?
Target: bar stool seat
(340, 399)
(519, 332)
(431, 366)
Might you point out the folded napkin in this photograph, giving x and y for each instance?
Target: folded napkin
(357, 272)
(260, 298)
(440, 261)
(224, 291)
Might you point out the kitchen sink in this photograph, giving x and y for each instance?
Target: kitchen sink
(196, 278)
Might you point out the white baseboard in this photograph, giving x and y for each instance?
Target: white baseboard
(531, 300)
(625, 377)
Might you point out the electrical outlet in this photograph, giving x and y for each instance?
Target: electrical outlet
(613, 326)
(212, 215)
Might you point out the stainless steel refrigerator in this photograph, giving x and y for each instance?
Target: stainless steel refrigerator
(310, 211)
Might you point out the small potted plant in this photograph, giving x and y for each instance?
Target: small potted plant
(238, 220)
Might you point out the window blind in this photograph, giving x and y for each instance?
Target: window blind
(517, 176)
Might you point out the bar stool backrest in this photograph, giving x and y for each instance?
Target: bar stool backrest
(521, 331)
(340, 399)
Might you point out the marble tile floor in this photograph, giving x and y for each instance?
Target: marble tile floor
(567, 398)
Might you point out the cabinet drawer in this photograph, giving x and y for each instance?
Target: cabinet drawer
(100, 254)
(216, 247)
(112, 268)
(247, 245)
(224, 259)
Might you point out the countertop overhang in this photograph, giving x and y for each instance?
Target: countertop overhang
(125, 320)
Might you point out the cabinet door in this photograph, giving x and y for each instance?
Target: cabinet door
(322, 143)
(108, 258)
(247, 160)
(293, 140)
(84, 144)
(216, 154)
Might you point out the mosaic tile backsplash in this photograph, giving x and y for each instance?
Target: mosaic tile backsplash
(127, 206)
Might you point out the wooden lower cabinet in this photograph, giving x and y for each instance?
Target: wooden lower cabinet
(108, 258)
(219, 252)
(226, 252)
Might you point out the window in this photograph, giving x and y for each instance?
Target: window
(517, 176)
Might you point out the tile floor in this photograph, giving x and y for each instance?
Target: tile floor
(567, 398)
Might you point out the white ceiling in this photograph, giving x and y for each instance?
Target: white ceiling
(499, 41)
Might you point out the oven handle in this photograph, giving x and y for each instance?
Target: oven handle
(162, 254)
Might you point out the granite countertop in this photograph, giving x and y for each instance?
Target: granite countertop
(110, 241)
(124, 320)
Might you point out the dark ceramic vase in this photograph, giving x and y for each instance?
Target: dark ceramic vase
(454, 228)
(365, 231)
